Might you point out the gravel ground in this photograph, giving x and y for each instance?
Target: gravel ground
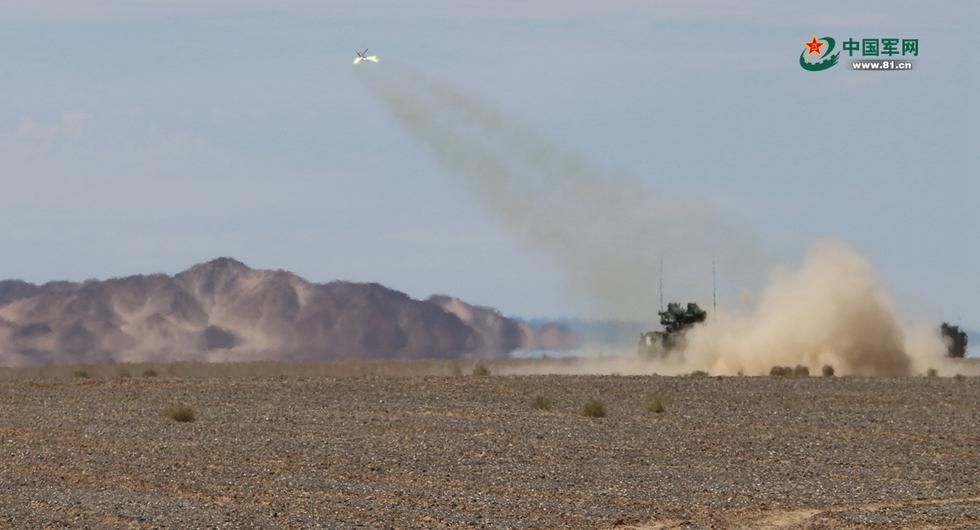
(454, 452)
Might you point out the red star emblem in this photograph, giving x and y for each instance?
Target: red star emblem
(813, 47)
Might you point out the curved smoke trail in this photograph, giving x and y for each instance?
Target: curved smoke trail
(606, 232)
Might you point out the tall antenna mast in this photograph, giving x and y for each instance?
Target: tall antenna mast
(714, 285)
(661, 283)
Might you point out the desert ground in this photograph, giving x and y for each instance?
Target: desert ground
(430, 445)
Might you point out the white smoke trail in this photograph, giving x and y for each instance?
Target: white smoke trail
(606, 232)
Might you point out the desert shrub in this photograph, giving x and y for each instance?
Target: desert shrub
(150, 372)
(594, 409)
(81, 374)
(699, 373)
(181, 413)
(931, 372)
(481, 370)
(655, 404)
(801, 371)
(959, 377)
(827, 371)
(780, 371)
(541, 403)
(124, 373)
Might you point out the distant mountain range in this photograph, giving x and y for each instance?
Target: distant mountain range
(599, 333)
(223, 310)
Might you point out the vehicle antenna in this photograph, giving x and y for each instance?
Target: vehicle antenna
(714, 286)
(661, 283)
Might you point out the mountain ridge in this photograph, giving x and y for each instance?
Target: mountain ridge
(224, 310)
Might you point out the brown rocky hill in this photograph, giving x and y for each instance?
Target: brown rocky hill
(500, 333)
(223, 310)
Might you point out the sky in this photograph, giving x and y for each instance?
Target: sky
(142, 137)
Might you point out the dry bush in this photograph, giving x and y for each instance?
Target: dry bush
(481, 370)
(932, 372)
(801, 371)
(594, 409)
(827, 371)
(181, 413)
(780, 371)
(698, 373)
(655, 404)
(541, 403)
(150, 372)
(81, 374)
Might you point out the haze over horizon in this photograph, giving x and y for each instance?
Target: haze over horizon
(149, 138)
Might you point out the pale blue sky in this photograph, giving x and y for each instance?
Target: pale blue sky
(141, 139)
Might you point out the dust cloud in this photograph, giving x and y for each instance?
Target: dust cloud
(828, 311)
(607, 233)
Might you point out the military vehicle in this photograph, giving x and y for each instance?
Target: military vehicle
(955, 339)
(675, 320)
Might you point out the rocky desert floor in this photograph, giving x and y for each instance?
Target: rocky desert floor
(302, 448)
